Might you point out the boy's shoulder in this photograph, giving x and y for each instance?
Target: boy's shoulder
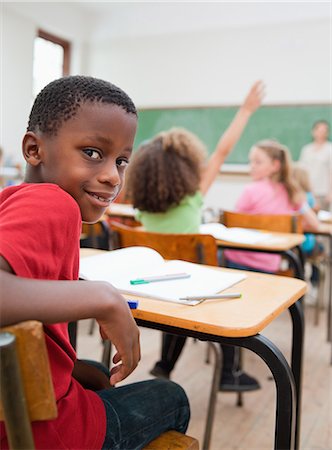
(37, 194)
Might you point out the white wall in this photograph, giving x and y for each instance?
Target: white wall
(206, 67)
(216, 67)
(19, 24)
(16, 81)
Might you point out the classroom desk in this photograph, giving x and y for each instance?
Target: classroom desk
(121, 211)
(281, 243)
(325, 230)
(326, 218)
(239, 322)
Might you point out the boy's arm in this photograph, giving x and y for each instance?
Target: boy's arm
(233, 133)
(65, 301)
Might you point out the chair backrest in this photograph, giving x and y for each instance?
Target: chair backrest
(26, 384)
(95, 235)
(283, 223)
(197, 248)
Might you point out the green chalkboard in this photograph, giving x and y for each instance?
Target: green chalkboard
(291, 125)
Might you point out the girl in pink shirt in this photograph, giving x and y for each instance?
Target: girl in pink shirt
(273, 191)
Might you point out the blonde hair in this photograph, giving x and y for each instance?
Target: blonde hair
(301, 176)
(278, 152)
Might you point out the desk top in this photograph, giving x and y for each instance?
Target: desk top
(279, 242)
(264, 297)
(124, 210)
(325, 229)
(325, 216)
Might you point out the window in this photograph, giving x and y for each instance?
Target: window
(51, 60)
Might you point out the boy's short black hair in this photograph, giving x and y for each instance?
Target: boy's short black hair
(60, 100)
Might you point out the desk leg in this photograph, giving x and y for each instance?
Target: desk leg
(296, 312)
(329, 307)
(282, 374)
(285, 385)
(213, 395)
(296, 263)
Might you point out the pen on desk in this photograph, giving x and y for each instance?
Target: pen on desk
(171, 276)
(207, 297)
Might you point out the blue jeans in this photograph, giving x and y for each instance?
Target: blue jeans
(137, 413)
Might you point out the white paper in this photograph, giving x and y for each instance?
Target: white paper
(324, 215)
(122, 208)
(118, 267)
(234, 234)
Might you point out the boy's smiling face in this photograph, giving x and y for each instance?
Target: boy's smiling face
(87, 157)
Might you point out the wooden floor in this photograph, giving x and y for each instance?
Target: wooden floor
(251, 426)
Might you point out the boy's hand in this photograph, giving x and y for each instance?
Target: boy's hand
(255, 97)
(120, 328)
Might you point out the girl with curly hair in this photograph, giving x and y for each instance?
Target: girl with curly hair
(166, 181)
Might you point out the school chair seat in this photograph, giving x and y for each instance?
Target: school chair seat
(26, 384)
(173, 440)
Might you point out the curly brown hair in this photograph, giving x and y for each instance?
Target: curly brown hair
(164, 170)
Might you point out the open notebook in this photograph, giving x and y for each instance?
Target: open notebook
(120, 266)
(234, 234)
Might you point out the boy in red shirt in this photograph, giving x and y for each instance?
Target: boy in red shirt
(77, 146)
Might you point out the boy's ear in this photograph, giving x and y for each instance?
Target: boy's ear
(31, 148)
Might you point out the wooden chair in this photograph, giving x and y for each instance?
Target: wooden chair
(172, 440)
(197, 248)
(282, 223)
(27, 390)
(26, 385)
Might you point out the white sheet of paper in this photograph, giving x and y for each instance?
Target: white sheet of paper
(234, 234)
(120, 266)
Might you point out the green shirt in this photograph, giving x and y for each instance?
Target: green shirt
(182, 218)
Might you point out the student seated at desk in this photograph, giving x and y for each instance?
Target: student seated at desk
(272, 191)
(311, 247)
(166, 182)
(79, 140)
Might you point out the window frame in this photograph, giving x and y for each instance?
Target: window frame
(64, 44)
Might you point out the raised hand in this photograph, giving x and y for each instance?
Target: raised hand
(254, 97)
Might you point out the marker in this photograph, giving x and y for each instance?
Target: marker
(169, 277)
(207, 297)
(133, 304)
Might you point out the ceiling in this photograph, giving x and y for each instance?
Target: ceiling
(108, 19)
(144, 18)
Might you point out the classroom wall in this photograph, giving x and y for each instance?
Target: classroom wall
(19, 25)
(212, 67)
(216, 67)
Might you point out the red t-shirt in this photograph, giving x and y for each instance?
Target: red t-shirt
(39, 237)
